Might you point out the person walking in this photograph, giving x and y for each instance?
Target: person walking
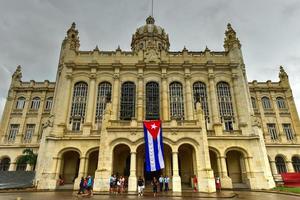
(154, 184)
(167, 180)
(140, 186)
(90, 186)
(81, 186)
(161, 183)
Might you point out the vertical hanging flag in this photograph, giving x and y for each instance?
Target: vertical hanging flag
(153, 146)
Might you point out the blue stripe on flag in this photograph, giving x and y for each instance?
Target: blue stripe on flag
(157, 166)
(161, 142)
(148, 167)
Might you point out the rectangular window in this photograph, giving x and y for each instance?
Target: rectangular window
(288, 131)
(272, 131)
(76, 124)
(228, 123)
(13, 131)
(29, 132)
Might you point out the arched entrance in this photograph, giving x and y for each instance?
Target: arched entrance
(70, 166)
(214, 163)
(141, 166)
(296, 163)
(4, 164)
(187, 164)
(121, 160)
(280, 165)
(21, 164)
(92, 163)
(236, 168)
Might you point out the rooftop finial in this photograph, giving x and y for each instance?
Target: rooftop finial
(150, 20)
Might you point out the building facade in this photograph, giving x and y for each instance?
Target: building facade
(215, 122)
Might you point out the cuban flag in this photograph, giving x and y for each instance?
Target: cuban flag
(154, 146)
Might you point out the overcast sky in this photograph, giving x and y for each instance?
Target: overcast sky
(31, 32)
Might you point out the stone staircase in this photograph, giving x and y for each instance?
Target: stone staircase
(16, 179)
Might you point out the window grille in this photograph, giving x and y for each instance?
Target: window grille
(253, 101)
(152, 100)
(127, 111)
(35, 103)
(29, 132)
(200, 94)
(13, 131)
(20, 103)
(280, 165)
(272, 131)
(288, 131)
(266, 103)
(176, 101)
(296, 163)
(78, 105)
(49, 103)
(103, 97)
(280, 103)
(225, 105)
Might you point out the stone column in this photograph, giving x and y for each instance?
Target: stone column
(57, 167)
(290, 167)
(176, 178)
(87, 126)
(188, 97)
(80, 173)
(140, 98)
(115, 97)
(132, 180)
(219, 166)
(12, 166)
(164, 93)
(225, 180)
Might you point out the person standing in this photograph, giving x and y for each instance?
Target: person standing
(167, 180)
(140, 186)
(161, 183)
(195, 182)
(154, 184)
(81, 186)
(122, 184)
(90, 186)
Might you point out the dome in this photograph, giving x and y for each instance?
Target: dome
(150, 36)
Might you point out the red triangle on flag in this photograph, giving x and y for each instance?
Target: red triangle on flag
(153, 127)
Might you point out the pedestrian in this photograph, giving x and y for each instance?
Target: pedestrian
(140, 186)
(218, 183)
(111, 183)
(167, 180)
(122, 184)
(81, 186)
(195, 182)
(90, 186)
(161, 183)
(154, 184)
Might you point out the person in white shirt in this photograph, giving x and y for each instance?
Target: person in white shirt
(167, 180)
(161, 183)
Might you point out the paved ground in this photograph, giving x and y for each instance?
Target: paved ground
(73, 196)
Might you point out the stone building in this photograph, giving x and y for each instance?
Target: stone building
(215, 122)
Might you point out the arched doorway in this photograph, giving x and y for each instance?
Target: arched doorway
(121, 160)
(236, 168)
(186, 164)
(296, 163)
(92, 163)
(21, 164)
(141, 164)
(214, 163)
(70, 166)
(4, 164)
(280, 164)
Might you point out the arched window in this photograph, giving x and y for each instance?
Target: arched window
(49, 103)
(78, 105)
(225, 105)
(253, 101)
(152, 100)
(176, 101)
(103, 96)
(35, 103)
(280, 103)
(127, 101)
(280, 165)
(20, 103)
(200, 94)
(296, 163)
(4, 164)
(266, 103)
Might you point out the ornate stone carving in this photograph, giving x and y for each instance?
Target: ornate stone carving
(151, 53)
(17, 75)
(49, 122)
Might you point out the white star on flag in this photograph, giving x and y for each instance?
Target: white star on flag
(153, 126)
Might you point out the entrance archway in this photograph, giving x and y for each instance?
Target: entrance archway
(4, 164)
(187, 163)
(214, 163)
(70, 166)
(92, 163)
(236, 167)
(121, 160)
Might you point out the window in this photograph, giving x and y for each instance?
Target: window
(13, 131)
(29, 132)
(288, 131)
(20, 103)
(21, 165)
(35, 103)
(266, 103)
(280, 103)
(4, 164)
(296, 163)
(199, 91)
(152, 100)
(78, 105)
(103, 96)
(272, 131)
(127, 101)
(225, 105)
(280, 165)
(49, 102)
(176, 101)
(253, 101)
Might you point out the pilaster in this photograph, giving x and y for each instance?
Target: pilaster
(132, 180)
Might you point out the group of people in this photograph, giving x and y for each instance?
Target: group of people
(86, 186)
(117, 184)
